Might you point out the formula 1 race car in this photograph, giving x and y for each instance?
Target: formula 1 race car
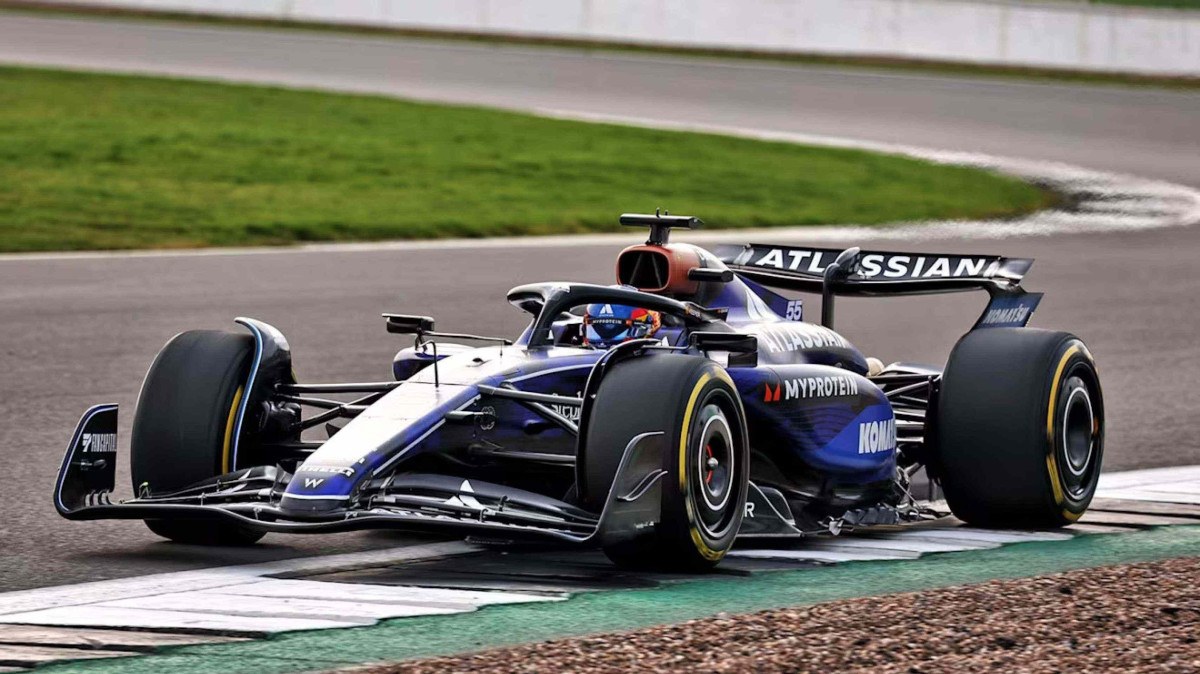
(661, 419)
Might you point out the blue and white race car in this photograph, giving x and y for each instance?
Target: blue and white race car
(662, 419)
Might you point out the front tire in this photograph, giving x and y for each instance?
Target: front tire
(694, 402)
(1020, 428)
(184, 425)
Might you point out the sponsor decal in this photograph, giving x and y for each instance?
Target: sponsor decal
(883, 266)
(832, 386)
(877, 436)
(750, 509)
(99, 442)
(799, 388)
(798, 337)
(1006, 316)
(918, 266)
(335, 470)
(793, 259)
(570, 412)
(1009, 311)
(487, 418)
(313, 482)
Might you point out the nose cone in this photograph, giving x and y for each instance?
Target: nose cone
(372, 444)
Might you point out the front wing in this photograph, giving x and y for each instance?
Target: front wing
(250, 497)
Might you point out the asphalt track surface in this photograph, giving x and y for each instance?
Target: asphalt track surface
(74, 332)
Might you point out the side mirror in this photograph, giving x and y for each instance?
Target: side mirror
(401, 324)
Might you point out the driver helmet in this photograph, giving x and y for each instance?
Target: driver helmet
(606, 325)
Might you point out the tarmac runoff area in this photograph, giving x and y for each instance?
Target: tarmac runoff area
(445, 599)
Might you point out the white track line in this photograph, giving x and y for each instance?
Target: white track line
(135, 618)
(242, 600)
(823, 556)
(904, 544)
(1164, 485)
(1105, 201)
(207, 579)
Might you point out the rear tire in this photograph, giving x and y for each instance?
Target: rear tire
(707, 462)
(183, 427)
(1020, 428)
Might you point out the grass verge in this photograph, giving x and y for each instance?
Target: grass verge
(949, 68)
(102, 162)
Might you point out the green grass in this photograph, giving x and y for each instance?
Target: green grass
(97, 161)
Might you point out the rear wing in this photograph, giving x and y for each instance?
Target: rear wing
(833, 271)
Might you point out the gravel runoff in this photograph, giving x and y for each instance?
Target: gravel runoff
(1133, 618)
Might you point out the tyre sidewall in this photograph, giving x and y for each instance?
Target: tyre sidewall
(999, 427)
(682, 497)
(182, 426)
(667, 393)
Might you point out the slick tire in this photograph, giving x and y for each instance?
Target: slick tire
(1020, 428)
(694, 402)
(183, 427)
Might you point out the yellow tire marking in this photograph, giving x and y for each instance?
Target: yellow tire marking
(1051, 464)
(687, 422)
(225, 451)
(1055, 485)
(697, 540)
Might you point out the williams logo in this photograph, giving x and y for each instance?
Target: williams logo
(313, 482)
(99, 442)
(877, 436)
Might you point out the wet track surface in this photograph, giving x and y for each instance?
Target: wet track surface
(77, 332)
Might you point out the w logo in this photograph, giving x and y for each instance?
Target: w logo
(313, 482)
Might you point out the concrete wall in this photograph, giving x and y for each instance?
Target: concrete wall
(1061, 35)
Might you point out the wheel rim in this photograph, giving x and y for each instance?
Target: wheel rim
(713, 477)
(713, 462)
(1078, 444)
